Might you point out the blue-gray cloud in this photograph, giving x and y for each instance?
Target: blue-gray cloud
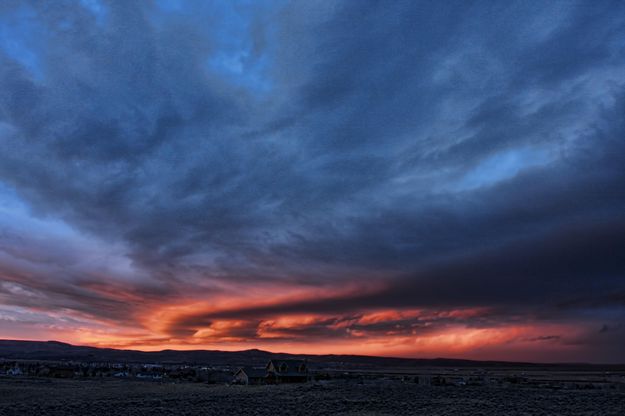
(461, 153)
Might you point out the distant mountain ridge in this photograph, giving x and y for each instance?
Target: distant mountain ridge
(59, 351)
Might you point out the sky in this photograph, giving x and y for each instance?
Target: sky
(405, 178)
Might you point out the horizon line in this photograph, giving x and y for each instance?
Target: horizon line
(321, 355)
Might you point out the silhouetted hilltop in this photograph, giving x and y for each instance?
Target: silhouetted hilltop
(59, 351)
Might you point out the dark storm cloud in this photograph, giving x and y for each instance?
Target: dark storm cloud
(569, 269)
(459, 154)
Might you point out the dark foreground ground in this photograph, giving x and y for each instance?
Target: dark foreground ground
(73, 397)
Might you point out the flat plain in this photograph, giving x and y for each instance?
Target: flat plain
(32, 396)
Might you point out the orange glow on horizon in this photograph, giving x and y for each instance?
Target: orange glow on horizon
(230, 322)
(453, 341)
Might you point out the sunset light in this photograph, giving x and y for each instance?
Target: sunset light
(402, 178)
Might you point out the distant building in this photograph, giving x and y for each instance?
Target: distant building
(250, 375)
(276, 371)
(287, 371)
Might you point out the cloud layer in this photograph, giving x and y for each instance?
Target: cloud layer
(404, 178)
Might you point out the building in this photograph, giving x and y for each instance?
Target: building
(287, 371)
(250, 375)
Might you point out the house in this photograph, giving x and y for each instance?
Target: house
(250, 375)
(287, 371)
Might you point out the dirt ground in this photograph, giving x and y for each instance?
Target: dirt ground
(25, 397)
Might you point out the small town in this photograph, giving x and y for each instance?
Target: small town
(287, 371)
(275, 372)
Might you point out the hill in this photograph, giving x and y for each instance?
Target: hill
(59, 351)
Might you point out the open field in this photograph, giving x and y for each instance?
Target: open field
(26, 396)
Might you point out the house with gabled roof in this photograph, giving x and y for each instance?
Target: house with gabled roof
(287, 371)
(250, 376)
